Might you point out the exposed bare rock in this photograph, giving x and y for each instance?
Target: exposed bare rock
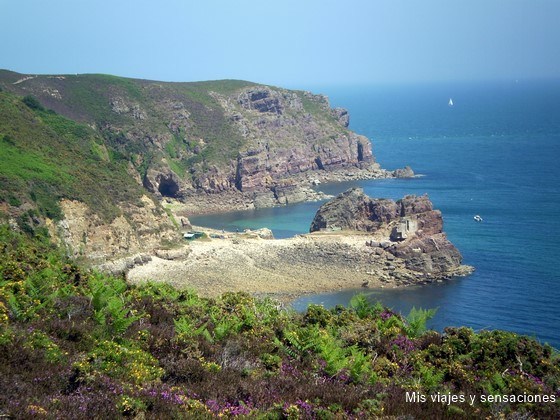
(262, 233)
(85, 234)
(261, 99)
(428, 253)
(405, 172)
(185, 223)
(164, 184)
(172, 254)
(354, 210)
(123, 265)
(409, 229)
(342, 116)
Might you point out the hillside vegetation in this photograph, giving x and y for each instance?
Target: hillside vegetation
(196, 135)
(78, 344)
(46, 157)
(91, 157)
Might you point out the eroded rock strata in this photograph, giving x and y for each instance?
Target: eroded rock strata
(117, 151)
(254, 145)
(409, 229)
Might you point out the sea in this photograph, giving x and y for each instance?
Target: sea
(495, 153)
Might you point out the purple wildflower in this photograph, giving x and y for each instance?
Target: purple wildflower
(305, 407)
(403, 343)
(288, 369)
(386, 314)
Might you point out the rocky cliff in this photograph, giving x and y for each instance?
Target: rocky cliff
(409, 229)
(252, 144)
(58, 176)
(95, 158)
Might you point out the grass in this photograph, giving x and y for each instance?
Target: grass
(27, 165)
(47, 157)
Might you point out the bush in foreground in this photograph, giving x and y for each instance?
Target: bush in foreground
(78, 344)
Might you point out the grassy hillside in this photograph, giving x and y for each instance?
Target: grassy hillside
(91, 99)
(77, 344)
(46, 157)
(197, 130)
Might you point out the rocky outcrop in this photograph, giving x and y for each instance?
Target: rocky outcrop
(284, 139)
(190, 140)
(353, 210)
(342, 116)
(262, 99)
(405, 172)
(164, 184)
(141, 228)
(408, 229)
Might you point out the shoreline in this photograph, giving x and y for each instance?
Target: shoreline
(284, 269)
(297, 188)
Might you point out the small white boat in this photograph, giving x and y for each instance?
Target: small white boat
(477, 218)
(450, 103)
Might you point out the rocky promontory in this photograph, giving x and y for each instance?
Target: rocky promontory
(355, 241)
(202, 143)
(409, 229)
(107, 165)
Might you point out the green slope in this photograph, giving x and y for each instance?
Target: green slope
(46, 157)
(88, 98)
(78, 344)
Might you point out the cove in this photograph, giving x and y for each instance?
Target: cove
(494, 153)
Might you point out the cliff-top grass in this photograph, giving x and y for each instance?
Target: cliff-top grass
(47, 157)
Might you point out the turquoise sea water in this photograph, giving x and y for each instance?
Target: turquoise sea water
(494, 153)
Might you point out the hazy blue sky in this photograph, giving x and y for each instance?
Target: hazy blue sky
(293, 43)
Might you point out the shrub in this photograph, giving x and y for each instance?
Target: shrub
(416, 321)
(79, 344)
(33, 103)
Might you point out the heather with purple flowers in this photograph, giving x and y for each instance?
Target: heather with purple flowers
(164, 353)
(386, 314)
(239, 408)
(403, 343)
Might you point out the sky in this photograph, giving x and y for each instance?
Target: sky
(291, 43)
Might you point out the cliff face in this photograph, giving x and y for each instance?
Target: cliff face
(409, 229)
(140, 229)
(57, 175)
(284, 139)
(94, 157)
(191, 140)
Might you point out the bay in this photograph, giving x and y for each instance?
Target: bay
(494, 153)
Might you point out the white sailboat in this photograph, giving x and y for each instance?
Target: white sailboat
(450, 103)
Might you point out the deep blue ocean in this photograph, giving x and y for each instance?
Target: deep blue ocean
(495, 153)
